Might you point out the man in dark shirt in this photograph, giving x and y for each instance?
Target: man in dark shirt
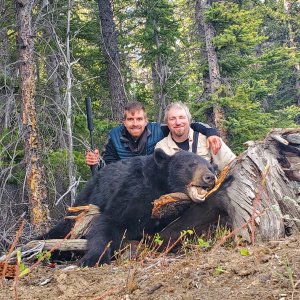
(136, 136)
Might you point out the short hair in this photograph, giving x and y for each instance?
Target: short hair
(134, 106)
(177, 105)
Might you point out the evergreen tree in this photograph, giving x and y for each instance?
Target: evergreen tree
(157, 40)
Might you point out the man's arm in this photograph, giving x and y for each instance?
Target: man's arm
(109, 153)
(212, 135)
(203, 128)
(213, 139)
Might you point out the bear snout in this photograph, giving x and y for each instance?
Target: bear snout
(209, 179)
(203, 181)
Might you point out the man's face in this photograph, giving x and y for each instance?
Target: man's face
(178, 122)
(135, 122)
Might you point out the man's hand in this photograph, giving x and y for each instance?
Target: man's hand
(214, 143)
(92, 157)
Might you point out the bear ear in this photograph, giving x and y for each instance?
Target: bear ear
(214, 168)
(160, 156)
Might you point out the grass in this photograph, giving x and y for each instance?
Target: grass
(188, 243)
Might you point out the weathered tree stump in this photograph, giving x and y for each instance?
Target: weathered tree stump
(275, 194)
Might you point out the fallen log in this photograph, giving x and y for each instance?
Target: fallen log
(83, 218)
(264, 186)
(67, 245)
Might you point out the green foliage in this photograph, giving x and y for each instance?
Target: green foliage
(44, 255)
(57, 164)
(23, 268)
(244, 251)
(100, 133)
(246, 120)
(237, 29)
(160, 30)
(158, 37)
(202, 243)
(219, 270)
(9, 138)
(286, 117)
(186, 232)
(90, 70)
(157, 239)
(259, 92)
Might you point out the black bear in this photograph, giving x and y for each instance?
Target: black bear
(124, 192)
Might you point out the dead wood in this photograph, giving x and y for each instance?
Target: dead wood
(170, 205)
(83, 219)
(67, 245)
(277, 204)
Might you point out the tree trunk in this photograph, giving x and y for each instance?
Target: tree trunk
(112, 57)
(71, 164)
(200, 30)
(7, 90)
(52, 67)
(159, 79)
(274, 196)
(35, 177)
(206, 33)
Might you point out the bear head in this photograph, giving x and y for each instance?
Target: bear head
(186, 172)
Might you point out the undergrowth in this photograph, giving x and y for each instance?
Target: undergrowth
(188, 243)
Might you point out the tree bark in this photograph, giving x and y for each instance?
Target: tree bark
(249, 201)
(159, 79)
(207, 33)
(112, 57)
(200, 30)
(35, 176)
(71, 164)
(7, 98)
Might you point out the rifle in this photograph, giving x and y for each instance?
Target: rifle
(90, 125)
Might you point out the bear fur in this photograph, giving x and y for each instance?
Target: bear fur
(124, 192)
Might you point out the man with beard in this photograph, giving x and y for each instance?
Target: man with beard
(183, 137)
(136, 136)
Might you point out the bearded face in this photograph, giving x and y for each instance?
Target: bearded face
(178, 123)
(135, 122)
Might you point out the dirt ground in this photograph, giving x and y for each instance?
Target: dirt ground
(268, 271)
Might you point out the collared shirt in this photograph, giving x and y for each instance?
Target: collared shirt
(221, 159)
(169, 146)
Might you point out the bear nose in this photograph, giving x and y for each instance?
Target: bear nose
(209, 178)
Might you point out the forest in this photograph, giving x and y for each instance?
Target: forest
(236, 64)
